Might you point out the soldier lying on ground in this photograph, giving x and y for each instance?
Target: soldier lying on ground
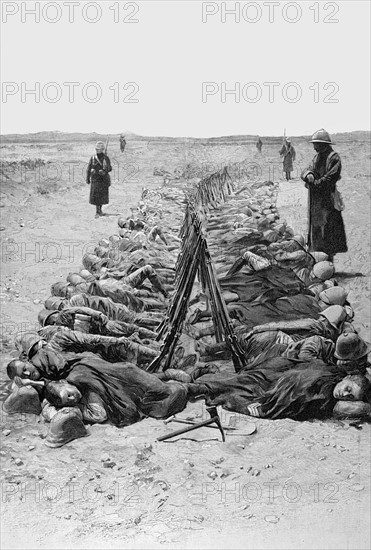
(128, 281)
(283, 388)
(114, 311)
(91, 321)
(137, 230)
(54, 346)
(118, 392)
(329, 326)
(349, 353)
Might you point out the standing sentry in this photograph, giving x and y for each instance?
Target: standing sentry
(98, 177)
(326, 231)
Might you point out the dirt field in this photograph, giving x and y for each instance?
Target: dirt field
(290, 485)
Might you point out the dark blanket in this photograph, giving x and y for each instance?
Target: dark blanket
(289, 308)
(128, 393)
(269, 295)
(267, 285)
(285, 388)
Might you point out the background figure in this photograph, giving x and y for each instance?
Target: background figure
(122, 143)
(288, 153)
(326, 231)
(259, 144)
(98, 176)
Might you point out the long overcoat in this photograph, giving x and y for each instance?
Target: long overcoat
(288, 153)
(326, 231)
(99, 183)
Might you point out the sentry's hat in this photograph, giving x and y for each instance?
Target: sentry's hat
(99, 146)
(321, 136)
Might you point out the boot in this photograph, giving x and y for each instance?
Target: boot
(97, 211)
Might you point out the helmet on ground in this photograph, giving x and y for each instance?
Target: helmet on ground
(300, 239)
(334, 314)
(104, 243)
(24, 399)
(351, 346)
(121, 222)
(85, 274)
(281, 228)
(59, 289)
(75, 279)
(271, 236)
(323, 270)
(321, 136)
(44, 315)
(114, 240)
(335, 295)
(55, 302)
(27, 342)
(101, 251)
(65, 426)
(319, 256)
(289, 232)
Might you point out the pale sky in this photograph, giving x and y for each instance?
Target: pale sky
(171, 54)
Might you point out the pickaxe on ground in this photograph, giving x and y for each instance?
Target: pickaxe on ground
(214, 419)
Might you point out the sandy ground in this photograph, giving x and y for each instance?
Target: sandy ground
(289, 485)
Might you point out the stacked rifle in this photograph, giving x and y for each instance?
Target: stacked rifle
(212, 190)
(195, 258)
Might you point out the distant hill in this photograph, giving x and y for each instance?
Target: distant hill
(57, 136)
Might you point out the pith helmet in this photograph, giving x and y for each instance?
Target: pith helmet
(281, 228)
(75, 279)
(85, 274)
(24, 399)
(55, 302)
(104, 243)
(99, 146)
(121, 222)
(59, 289)
(300, 239)
(321, 136)
(27, 342)
(319, 256)
(115, 240)
(335, 295)
(351, 346)
(271, 236)
(334, 314)
(44, 315)
(323, 270)
(65, 426)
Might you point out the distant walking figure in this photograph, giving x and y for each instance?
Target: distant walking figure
(98, 176)
(288, 153)
(122, 143)
(259, 145)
